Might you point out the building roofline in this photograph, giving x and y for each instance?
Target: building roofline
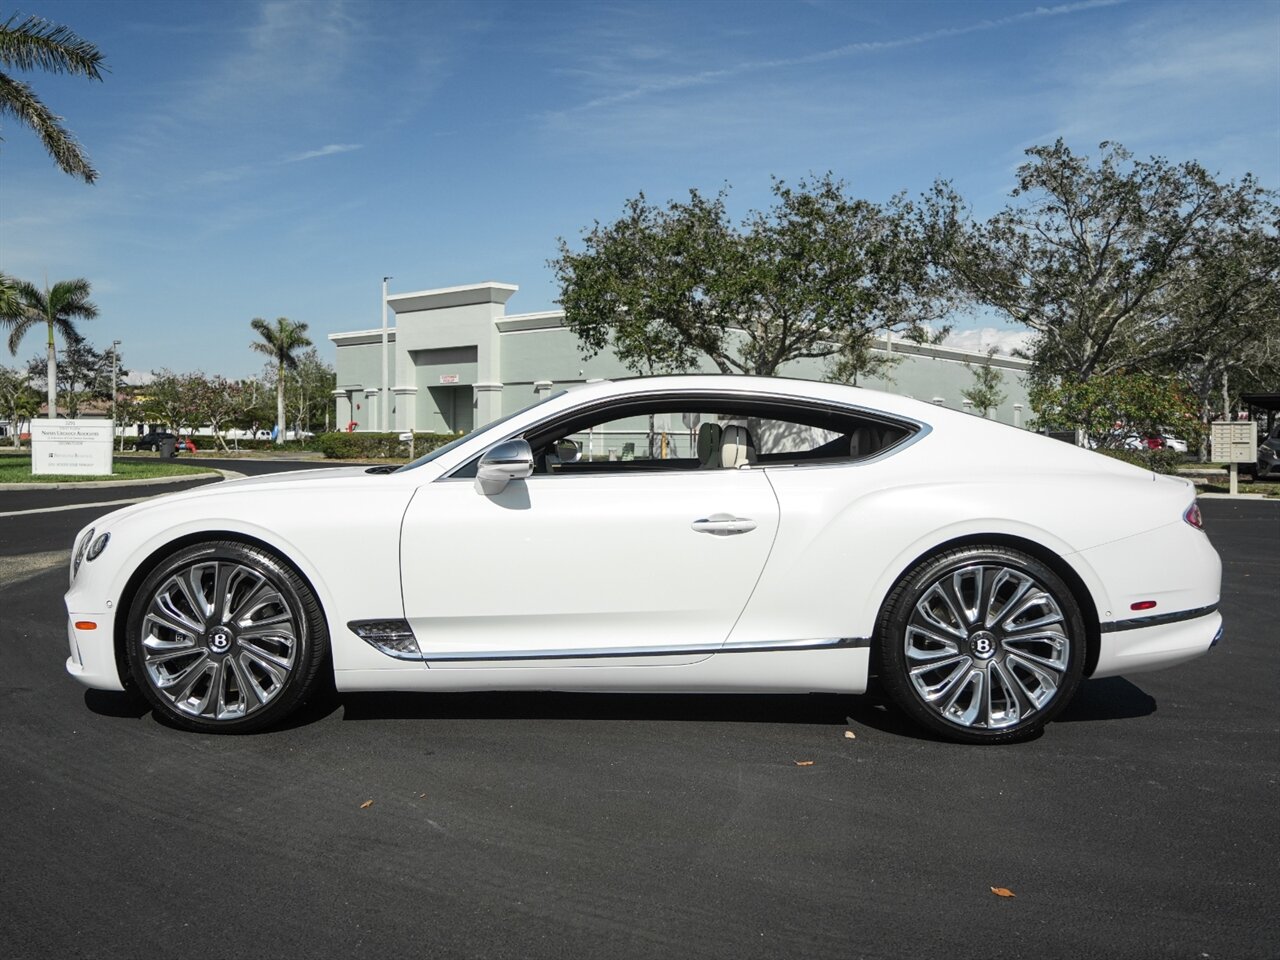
(490, 291)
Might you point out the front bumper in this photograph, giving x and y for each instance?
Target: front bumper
(93, 656)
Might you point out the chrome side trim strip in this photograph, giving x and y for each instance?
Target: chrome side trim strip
(752, 646)
(1137, 623)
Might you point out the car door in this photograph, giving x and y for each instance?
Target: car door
(601, 566)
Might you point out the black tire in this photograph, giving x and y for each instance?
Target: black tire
(223, 637)
(981, 644)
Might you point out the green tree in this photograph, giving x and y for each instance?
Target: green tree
(215, 403)
(280, 341)
(33, 43)
(1109, 261)
(18, 401)
(84, 374)
(57, 307)
(985, 393)
(1109, 408)
(816, 276)
(172, 399)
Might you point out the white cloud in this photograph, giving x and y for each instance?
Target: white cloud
(642, 87)
(325, 151)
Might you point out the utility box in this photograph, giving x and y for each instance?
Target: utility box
(1234, 441)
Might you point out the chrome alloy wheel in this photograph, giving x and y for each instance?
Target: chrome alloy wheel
(986, 646)
(219, 639)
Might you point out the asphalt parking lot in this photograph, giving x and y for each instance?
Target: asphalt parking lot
(1142, 824)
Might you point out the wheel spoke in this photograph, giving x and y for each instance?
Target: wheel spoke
(166, 613)
(994, 612)
(252, 601)
(926, 610)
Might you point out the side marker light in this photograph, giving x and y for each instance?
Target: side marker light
(86, 625)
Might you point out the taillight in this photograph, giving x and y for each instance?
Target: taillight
(1192, 516)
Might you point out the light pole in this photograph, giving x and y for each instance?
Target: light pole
(115, 362)
(384, 398)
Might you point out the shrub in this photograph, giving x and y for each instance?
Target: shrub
(370, 446)
(1159, 461)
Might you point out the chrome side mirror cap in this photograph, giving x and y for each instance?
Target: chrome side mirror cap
(502, 463)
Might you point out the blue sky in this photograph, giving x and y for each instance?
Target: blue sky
(279, 158)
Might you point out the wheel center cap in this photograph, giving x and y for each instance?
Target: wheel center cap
(982, 644)
(220, 640)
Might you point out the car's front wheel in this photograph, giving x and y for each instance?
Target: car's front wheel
(225, 637)
(981, 644)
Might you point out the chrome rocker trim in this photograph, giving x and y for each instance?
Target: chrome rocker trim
(395, 638)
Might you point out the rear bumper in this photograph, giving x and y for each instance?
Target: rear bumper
(1156, 647)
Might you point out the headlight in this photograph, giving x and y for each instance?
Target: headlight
(97, 546)
(83, 546)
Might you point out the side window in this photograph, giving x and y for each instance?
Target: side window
(641, 440)
(701, 432)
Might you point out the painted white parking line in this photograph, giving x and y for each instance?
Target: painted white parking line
(74, 506)
(226, 475)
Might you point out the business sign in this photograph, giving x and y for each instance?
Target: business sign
(448, 378)
(1233, 442)
(73, 447)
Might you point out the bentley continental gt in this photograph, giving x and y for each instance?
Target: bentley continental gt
(695, 534)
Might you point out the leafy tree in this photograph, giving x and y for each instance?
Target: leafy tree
(1111, 262)
(1108, 408)
(84, 374)
(307, 390)
(216, 402)
(18, 401)
(57, 307)
(173, 399)
(985, 394)
(280, 342)
(816, 276)
(33, 43)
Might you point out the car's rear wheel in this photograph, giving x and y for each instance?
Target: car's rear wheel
(225, 637)
(982, 644)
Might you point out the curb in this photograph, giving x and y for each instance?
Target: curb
(139, 482)
(1237, 496)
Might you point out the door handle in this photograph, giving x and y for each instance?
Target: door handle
(723, 525)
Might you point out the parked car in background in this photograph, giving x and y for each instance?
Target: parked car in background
(1268, 464)
(153, 439)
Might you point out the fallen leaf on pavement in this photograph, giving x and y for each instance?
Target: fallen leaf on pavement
(366, 805)
(850, 735)
(803, 763)
(422, 796)
(1003, 892)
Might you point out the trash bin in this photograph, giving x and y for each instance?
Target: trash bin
(167, 447)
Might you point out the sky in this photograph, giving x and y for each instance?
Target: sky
(265, 159)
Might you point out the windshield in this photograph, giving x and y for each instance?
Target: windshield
(452, 444)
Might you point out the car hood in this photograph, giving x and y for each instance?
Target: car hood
(271, 485)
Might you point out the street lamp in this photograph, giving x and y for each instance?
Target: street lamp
(384, 406)
(115, 362)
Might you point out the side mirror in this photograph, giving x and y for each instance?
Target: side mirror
(502, 463)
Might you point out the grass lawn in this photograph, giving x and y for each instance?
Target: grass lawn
(17, 469)
(1266, 488)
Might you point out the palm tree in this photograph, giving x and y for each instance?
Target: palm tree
(34, 43)
(55, 307)
(279, 342)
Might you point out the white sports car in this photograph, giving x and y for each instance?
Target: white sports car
(668, 534)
